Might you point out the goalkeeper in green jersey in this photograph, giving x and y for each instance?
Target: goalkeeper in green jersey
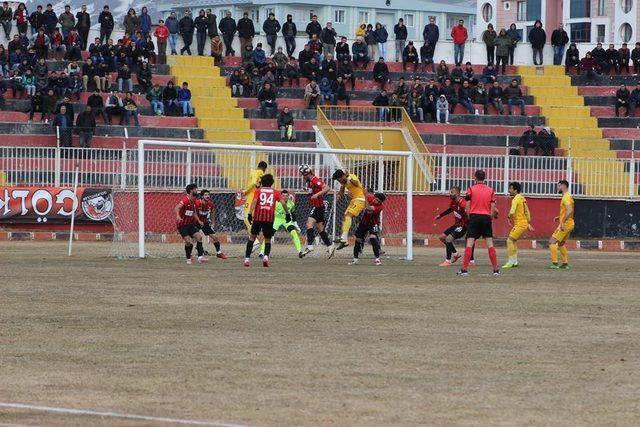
(280, 221)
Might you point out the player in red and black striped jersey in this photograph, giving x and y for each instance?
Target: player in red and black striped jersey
(206, 211)
(189, 224)
(457, 206)
(316, 219)
(369, 225)
(261, 215)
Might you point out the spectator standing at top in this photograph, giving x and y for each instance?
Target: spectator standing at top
(106, 24)
(612, 58)
(289, 31)
(22, 18)
(400, 31)
(186, 28)
(635, 57)
(489, 39)
(431, 33)
(313, 27)
(67, 21)
(537, 38)
(174, 28)
(201, 31)
(212, 23)
(514, 35)
(228, 28)
(83, 24)
(162, 34)
(145, 22)
(459, 35)
(131, 22)
(381, 35)
(328, 39)
(559, 39)
(624, 55)
(370, 39)
(246, 31)
(271, 28)
(36, 20)
(50, 19)
(502, 44)
(6, 19)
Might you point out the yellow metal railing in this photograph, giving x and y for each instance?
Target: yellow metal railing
(328, 131)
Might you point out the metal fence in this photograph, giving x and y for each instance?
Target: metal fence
(167, 169)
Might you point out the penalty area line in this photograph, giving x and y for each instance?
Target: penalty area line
(72, 411)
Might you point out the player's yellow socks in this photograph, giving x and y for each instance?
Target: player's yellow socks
(296, 240)
(553, 248)
(512, 250)
(346, 226)
(564, 253)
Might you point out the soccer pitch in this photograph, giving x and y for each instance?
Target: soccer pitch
(316, 342)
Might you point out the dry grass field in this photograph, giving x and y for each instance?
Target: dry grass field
(315, 342)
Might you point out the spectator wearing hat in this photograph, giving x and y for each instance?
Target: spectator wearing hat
(442, 108)
(289, 32)
(359, 51)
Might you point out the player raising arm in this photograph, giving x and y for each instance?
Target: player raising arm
(369, 225)
(458, 207)
(189, 224)
(520, 220)
(249, 191)
(558, 240)
(206, 210)
(481, 207)
(316, 220)
(352, 184)
(260, 216)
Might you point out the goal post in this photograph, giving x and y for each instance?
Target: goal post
(144, 220)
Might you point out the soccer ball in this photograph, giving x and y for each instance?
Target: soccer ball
(304, 169)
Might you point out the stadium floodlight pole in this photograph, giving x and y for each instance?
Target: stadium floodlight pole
(407, 155)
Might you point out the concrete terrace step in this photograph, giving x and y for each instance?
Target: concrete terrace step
(605, 80)
(622, 133)
(101, 130)
(111, 142)
(609, 112)
(145, 121)
(630, 123)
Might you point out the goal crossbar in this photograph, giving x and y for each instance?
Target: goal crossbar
(145, 143)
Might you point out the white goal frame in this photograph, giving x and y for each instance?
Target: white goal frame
(409, 170)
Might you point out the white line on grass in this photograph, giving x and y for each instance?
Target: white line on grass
(71, 411)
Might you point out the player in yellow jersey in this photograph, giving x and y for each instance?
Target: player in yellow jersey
(557, 242)
(358, 202)
(520, 219)
(252, 185)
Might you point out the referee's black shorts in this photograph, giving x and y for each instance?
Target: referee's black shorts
(479, 226)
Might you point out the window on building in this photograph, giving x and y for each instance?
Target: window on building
(521, 12)
(254, 14)
(270, 10)
(363, 17)
(626, 5)
(580, 8)
(487, 12)
(311, 13)
(602, 7)
(600, 33)
(626, 32)
(580, 32)
(408, 19)
(534, 10)
(452, 21)
(338, 16)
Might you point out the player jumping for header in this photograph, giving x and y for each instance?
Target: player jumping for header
(369, 225)
(458, 207)
(316, 219)
(206, 214)
(260, 216)
(481, 208)
(558, 240)
(352, 184)
(281, 221)
(520, 220)
(189, 224)
(249, 192)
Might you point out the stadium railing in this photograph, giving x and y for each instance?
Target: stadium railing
(167, 169)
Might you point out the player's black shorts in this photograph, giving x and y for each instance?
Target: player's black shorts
(363, 230)
(265, 227)
(207, 230)
(456, 231)
(317, 213)
(479, 226)
(188, 230)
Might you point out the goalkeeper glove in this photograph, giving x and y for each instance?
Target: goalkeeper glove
(250, 219)
(288, 217)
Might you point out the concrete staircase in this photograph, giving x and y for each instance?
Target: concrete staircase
(577, 131)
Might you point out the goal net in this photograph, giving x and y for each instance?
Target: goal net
(157, 173)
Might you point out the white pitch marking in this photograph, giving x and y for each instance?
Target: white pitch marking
(72, 411)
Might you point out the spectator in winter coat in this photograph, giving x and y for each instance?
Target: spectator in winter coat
(267, 100)
(624, 55)
(465, 98)
(131, 21)
(442, 109)
(67, 21)
(161, 34)
(145, 22)
(50, 19)
(115, 106)
(431, 34)
(292, 72)
(502, 44)
(400, 31)
(212, 23)
(184, 100)
(489, 74)
(21, 16)
(634, 100)
(589, 66)
(572, 58)
(40, 41)
(271, 28)
(426, 56)
(216, 49)
(489, 39)
(36, 20)
(86, 126)
(547, 142)
(342, 49)
(289, 32)
(459, 35)
(529, 141)
(537, 38)
(513, 93)
(635, 57)
(186, 28)
(124, 78)
(285, 124)
(311, 95)
(345, 71)
(311, 70)
(410, 55)
(106, 24)
(339, 91)
(154, 96)
(382, 102)
(96, 103)
(359, 51)
(495, 97)
(370, 40)
(457, 75)
(380, 34)
(326, 95)
(201, 31)
(515, 37)
(559, 39)
(144, 77)
(246, 31)
(329, 67)
(313, 27)
(130, 109)
(169, 96)
(381, 73)
(613, 59)
(259, 57)
(64, 126)
(328, 39)
(600, 55)
(622, 100)
(83, 25)
(174, 29)
(228, 29)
